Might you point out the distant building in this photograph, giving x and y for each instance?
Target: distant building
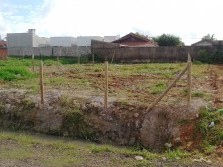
(27, 39)
(3, 44)
(86, 40)
(204, 42)
(63, 41)
(111, 38)
(135, 40)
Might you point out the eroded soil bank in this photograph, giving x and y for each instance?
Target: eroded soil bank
(122, 124)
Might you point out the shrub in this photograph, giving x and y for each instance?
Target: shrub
(211, 57)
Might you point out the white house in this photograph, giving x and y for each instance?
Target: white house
(86, 40)
(63, 41)
(111, 38)
(27, 39)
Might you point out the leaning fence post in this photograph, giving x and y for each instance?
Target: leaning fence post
(167, 89)
(189, 64)
(41, 83)
(33, 62)
(106, 86)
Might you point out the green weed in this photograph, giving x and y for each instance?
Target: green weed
(198, 94)
(158, 88)
(213, 135)
(14, 73)
(176, 154)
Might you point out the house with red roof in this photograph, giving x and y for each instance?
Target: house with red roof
(135, 40)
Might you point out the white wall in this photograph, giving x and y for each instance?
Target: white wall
(86, 40)
(111, 38)
(20, 40)
(63, 41)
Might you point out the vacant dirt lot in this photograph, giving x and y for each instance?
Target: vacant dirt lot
(74, 107)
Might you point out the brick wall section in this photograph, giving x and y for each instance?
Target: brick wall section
(3, 53)
(145, 54)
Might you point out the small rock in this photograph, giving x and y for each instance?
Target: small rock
(7, 108)
(169, 145)
(211, 124)
(136, 115)
(132, 141)
(139, 158)
(164, 158)
(189, 143)
(208, 161)
(137, 124)
(177, 139)
(202, 160)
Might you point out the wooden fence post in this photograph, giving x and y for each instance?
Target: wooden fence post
(113, 57)
(189, 64)
(23, 55)
(33, 62)
(78, 59)
(58, 59)
(167, 89)
(106, 86)
(93, 59)
(41, 83)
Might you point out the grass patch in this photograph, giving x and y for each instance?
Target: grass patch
(14, 73)
(177, 154)
(212, 135)
(158, 88)
(198, 94)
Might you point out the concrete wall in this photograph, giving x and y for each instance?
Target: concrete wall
(86, 40)
(73, 51)
(63, 41)
(145, 54)
(111, 38)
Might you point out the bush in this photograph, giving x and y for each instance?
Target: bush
(210, 57)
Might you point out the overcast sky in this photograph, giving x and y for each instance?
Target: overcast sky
(189, 19)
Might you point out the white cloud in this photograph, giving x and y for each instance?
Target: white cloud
(188, 19)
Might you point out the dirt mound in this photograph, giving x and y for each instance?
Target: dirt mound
(85, 118)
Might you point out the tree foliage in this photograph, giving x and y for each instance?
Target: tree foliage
(168, 40)
(208, 37)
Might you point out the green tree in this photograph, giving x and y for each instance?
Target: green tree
(168, 40)
(208, 37)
